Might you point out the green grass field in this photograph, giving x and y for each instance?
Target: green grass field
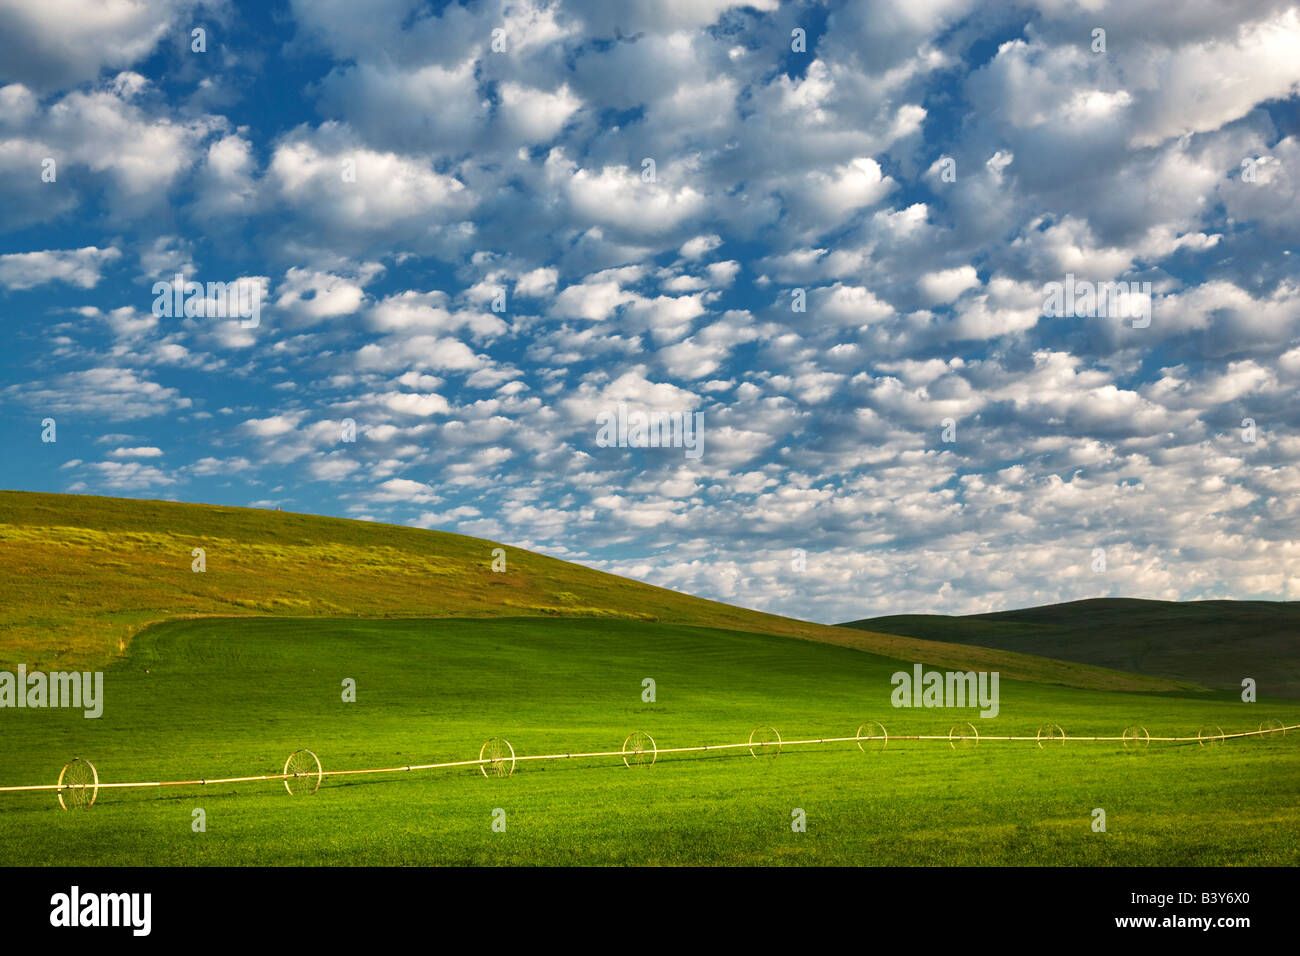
(215, 697)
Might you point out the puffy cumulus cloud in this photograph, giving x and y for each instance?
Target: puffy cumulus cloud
(55, 45)
(536, 284)
(328, 177)
(131, 475)
(708, 350)
(307, 296)
(878, 36)
(116, 394)
(331, 467)
(666, 317)
(1205, 84)
(450, 80)
(596, 395)
(226, 181)
(17, 103)
(1227, 319)
(1265, 187)
(420, 405)
(1069, 247)
(597, 296)
(465, 260)
(1179, 388)
(691, 360)
(272, 427)
(24, 204)
(954, 569)
(209, 465)
(621, 198)
(946, 284)
(128, 327)
(433, 519)
(670, 76)
(699, 246)
(1132, 143)
(846, 305)
(1006, 307)
(823, 199)
(79, 267)
(409, 37)
(536, 116)
(112, 137)
(656, 17)
(427, 107)
(413, 312)
(142, 452)
(439, 353)
(166, 256)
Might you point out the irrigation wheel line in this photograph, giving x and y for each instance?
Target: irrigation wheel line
(79, 783)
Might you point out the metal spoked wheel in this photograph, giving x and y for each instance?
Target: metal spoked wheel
(963, 735)
(872, 736)
(78, 785)
(1136, 738)
(1051, 734)
(639, 750)
(764, 742)
(1211, 735)
(498, 757)
(302, 773)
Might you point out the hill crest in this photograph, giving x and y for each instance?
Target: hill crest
(1213, 643)
(80, 575)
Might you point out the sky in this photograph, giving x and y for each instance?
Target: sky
(825, 233)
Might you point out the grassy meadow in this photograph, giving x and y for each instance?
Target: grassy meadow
(216, 697)
(225, 672)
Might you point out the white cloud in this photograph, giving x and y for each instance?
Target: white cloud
(947, 284)
(79, 267)
(536, 116)
(329, 177)
(272, 427)
(58, 44)
(309, 296)
(404, 490)
(118, 394)
(699, 246)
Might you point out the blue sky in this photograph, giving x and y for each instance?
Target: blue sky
(924, 436)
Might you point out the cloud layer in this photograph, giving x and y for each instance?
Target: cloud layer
(826, 229)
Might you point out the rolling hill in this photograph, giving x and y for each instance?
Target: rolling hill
(376, 646)
(1211, 643)
(80, 576)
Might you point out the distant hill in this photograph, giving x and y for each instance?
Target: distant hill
(1212, 643)
(80, 575)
